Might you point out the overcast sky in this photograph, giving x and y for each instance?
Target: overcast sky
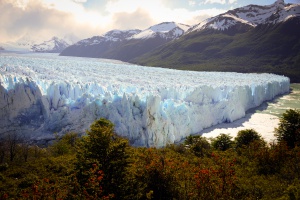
(86, 18)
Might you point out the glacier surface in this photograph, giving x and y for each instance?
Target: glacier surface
(45, 94)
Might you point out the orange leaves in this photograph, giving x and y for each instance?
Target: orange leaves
(217, 181)
(45, 189)
(93, 187)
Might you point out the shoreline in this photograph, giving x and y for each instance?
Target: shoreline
(263, 119)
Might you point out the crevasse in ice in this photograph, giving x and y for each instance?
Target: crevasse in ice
(45, 94)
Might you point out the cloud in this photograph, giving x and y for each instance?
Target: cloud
(204, 14)
(37, 20)
(48, 18)
(232, 1)
(218, 2)
(215, 1)
(138, 19)
(80, 1)
(192, 3)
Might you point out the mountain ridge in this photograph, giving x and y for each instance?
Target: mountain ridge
(128, 44)
(252, 38)
(265, 48)
(41, 45)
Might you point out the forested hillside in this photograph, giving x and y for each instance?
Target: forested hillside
(265, 48)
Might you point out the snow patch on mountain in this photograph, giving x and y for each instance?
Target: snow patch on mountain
(55, 45)
(39, 44)
(251, 15)
(167, 30)
(110, 36)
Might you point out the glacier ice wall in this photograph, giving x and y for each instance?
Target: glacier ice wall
(45, 94)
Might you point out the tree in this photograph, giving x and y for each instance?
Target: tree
(12, 140)
(103, 148)
(222, 142)
(64, 145)
(247, 136)
(24, 147)
(198, 145)
(2, 151)
(289, 128)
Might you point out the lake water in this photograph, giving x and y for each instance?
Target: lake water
(264, 119)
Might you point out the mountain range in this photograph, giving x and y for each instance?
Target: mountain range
(126, 45)
(247, 39)
(252, 38)
(28, 43)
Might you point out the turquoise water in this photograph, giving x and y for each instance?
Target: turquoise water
(280, 104)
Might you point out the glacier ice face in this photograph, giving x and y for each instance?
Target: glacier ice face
(45, 94)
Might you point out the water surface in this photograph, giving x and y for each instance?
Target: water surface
(264, 119)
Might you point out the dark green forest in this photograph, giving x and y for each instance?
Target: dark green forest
(101, 165)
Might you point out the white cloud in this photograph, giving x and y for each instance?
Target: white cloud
(80, 1)
(232, 1)
(36, 18)
(60, 17)
(192, 3)
(215, 1)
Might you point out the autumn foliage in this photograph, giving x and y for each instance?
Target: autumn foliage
(102, 165)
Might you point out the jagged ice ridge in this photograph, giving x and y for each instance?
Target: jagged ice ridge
(43, 94)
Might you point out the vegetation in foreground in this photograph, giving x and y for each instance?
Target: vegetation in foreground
(102, 165)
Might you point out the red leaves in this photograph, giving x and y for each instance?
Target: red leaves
(216, 181)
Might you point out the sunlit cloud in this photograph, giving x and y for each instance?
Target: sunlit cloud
(80, 1)
(60, 17)
(192, 3)
(214, 1)
(232, 1)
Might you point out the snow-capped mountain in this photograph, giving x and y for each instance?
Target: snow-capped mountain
(167, 30)
(54, 45)
(128, 44)
(39, 44)
(251, 16)
(110, 36)
(22, 44)
(247, 39)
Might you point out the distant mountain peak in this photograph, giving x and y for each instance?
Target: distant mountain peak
(126, 44)
(54, 45)
(167, 30)
(119, 35)
(279, 3)
(251, 16)
(110, 36)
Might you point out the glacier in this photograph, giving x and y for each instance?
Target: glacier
(43, 94)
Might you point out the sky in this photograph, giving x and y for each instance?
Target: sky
(44, 19)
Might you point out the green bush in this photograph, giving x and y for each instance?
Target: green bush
(222, 142)
(246, 137)
(102, 147)
(198, 145)
(64, 145)
(289, 128)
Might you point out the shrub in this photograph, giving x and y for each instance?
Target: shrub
(247, 136)
(198, 145)
(289, 128)
(222, 142)
(102, 147)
